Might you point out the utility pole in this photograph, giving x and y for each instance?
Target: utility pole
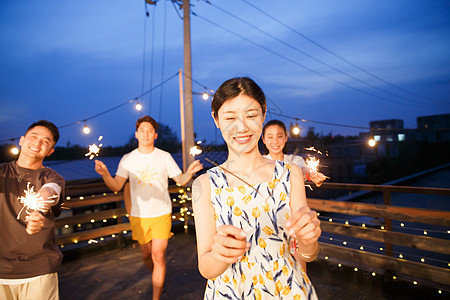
(188, 109)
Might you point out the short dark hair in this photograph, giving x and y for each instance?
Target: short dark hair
(147, 119)
(274, 123)
(49, 125)
(234, 87)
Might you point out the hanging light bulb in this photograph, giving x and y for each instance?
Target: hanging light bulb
(15, 150)
(295, 130)
(372, 143)
(86, 129)
(205, 96)
(138, 106)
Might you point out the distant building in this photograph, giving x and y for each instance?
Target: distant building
(434, 128)
(389, 135)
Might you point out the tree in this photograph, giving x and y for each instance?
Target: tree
(167, 139)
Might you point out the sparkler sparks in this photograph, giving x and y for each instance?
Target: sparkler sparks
(312, 164)
(315, 150)
(195, 151)
(94, 149)
(33, 202)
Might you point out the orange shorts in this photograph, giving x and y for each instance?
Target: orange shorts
(145, 229)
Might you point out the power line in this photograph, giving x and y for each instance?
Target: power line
(317, 122)
(163, 59)
(295, 62)
(310, 56)
(342, 58)
(108, 110)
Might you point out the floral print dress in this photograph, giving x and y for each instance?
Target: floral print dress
(267, 270)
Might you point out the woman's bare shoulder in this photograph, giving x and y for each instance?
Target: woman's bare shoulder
(201, 182)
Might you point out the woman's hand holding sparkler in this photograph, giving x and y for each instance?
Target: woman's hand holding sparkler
(316, 177)
(35, 222)
(304, 227)
(230, 244)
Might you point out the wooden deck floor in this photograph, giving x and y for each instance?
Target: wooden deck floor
(121, 274)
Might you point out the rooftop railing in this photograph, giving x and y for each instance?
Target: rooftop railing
(356, 234)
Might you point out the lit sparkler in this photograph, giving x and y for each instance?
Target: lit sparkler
(315, 150)
(196, 150)
(33, 202)
(94, 149)
(312, 164)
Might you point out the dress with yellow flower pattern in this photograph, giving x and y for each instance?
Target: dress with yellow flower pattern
(267, 270)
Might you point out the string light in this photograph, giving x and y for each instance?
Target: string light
(86, 129)
(138, 106)
(185, 211)
(15, 150)
(295, 130)
(372, 143)
(205, 96)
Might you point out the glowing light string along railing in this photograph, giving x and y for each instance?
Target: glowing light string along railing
(182, 201)
(182, 216)
(362, 247)
(402, 225)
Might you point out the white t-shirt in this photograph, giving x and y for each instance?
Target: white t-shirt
(148, 175)
(293, 159)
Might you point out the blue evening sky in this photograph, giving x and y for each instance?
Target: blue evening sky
(345, 62)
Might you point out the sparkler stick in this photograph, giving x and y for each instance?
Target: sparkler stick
(94, 149)
(196, 150)
(217, 165)
(33, 202)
